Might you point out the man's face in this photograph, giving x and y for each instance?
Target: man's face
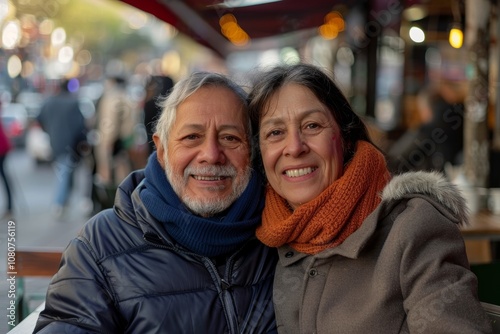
(207, 158)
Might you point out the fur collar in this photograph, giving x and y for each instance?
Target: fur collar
(432, 184)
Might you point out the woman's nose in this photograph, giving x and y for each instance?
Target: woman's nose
(295, 144)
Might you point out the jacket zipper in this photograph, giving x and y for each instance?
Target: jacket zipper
(223, 288)
(222, 284)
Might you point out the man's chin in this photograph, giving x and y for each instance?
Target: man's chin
(207, 206)
(207, 197)
(207, 192)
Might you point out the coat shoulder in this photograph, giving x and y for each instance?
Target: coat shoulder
(432, 185)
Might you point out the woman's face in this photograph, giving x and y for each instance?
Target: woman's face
(301, 145)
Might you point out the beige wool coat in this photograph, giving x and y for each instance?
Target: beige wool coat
(404, 270)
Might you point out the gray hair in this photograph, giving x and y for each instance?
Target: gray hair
(185, 88)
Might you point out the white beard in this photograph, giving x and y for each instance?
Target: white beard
(207, 207)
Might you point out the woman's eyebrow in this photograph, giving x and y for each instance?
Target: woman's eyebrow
(279, 120)
(272, 121)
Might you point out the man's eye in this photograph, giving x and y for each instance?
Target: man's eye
(231, 141)
(191, 137)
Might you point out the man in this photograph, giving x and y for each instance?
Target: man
(60, 117)
(116, 120)
(177, 253)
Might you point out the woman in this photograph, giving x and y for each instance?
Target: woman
(359, 252)
(5, 148)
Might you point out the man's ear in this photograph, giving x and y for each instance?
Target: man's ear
(160, 150)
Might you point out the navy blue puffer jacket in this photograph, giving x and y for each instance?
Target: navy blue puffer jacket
(124, 274)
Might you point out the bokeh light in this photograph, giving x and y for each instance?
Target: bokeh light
(58, 37)
(11, 35)
(417, 34)
(14, 66)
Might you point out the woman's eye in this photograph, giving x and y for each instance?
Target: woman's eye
(230, 138)
(274, 133)
(312, 126)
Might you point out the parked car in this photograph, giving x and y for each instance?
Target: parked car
(15, 123)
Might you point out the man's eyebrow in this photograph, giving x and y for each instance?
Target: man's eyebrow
(232, 127)
(188, 126)
(200, 127)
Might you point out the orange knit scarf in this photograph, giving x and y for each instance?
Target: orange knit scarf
(336, 213)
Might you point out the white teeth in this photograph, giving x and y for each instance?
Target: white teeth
(299, 172)
(207, 178)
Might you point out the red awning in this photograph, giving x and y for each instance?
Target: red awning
(200, 19)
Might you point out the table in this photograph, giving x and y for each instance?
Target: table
(482, 225)
(482, 231)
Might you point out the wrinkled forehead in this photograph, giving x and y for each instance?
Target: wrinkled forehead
(269, 103)
(293, 95)
(216, 105)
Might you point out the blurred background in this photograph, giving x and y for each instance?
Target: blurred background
(390, 57)
(423, 75)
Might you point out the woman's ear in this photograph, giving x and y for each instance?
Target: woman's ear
(160, 150)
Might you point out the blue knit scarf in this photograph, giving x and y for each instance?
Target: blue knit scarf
(213, 236)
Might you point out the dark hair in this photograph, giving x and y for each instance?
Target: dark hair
(324, 88)
(118, 80)
(160, 85)
(64, 85)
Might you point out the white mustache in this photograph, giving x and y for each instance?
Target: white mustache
(211, 171)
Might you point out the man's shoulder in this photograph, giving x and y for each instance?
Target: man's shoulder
(106, 234)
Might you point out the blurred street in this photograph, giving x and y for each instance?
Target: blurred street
(33, 190)
(404, 67)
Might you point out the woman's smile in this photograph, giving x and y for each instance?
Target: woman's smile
(299, 172)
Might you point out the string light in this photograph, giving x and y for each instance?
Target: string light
(334, 23)
(232, 30)
(456, 37)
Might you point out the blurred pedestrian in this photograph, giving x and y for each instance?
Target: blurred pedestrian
(5, 147)
(61, 118)
(157, 88)
(439, 138)
(115, 124)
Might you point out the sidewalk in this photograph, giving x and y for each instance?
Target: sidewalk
(33, 224)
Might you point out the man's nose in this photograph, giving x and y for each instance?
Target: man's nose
(211, 152)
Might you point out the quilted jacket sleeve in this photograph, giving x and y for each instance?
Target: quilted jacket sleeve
(78, 298)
